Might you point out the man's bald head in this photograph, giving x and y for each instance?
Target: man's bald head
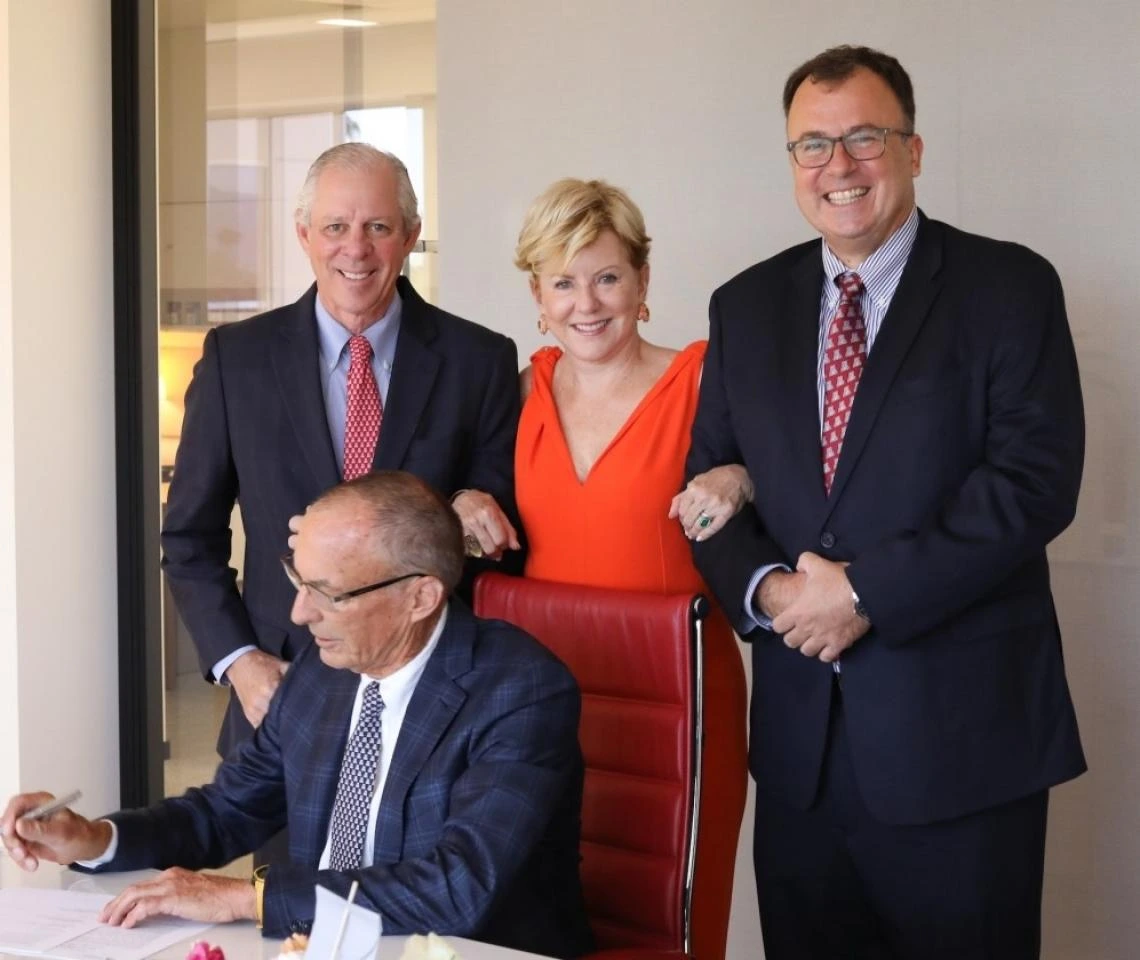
(403, 520)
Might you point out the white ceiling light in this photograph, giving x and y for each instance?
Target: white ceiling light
(346, 22)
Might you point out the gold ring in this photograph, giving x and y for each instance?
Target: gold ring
(471, 545)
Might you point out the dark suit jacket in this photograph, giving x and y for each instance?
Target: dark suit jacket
(478, 828)
(255, 431)
(962, 460)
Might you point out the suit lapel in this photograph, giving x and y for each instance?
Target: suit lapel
(296, 356)
(910, 306)
(325, 755)
(434, 704)
(414, 370)
(799, 358)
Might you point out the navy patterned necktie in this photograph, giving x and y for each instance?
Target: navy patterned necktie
(356, 785)
(844, 355)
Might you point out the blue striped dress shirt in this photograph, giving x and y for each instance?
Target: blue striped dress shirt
(880, 274)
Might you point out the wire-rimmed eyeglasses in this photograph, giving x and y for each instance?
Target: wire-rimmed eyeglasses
(330, 600)
(866, 143)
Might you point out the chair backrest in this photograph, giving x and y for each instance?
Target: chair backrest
(637, 660)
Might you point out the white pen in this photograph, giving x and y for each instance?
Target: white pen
(45, 810)
(344, 919)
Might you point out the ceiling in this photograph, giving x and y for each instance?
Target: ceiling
(239, 19)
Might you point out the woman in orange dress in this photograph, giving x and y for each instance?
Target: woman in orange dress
(599, 460)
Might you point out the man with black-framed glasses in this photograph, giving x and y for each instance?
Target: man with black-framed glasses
(906, 400)
(427, 754)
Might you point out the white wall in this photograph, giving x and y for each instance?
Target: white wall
(58, 621)
(9, 674)
(1029, 111)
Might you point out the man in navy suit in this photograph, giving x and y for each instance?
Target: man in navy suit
(905, 398)
(468, 821)
(266, 418)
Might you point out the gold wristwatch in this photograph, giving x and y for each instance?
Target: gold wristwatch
(258, 881)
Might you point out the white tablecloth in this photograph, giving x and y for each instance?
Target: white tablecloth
(240, 941)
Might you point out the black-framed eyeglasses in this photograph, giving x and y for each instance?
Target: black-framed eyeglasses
(330, 600)
(866, 143)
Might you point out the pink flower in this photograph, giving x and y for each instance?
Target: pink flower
(203, 951)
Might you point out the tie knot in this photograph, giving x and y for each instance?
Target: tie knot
(359, 349)
(372, 702)
(850, 285)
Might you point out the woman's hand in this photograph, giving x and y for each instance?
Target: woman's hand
(710, 500)
(486, 530)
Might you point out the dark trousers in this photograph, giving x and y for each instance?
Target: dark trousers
(834, 884)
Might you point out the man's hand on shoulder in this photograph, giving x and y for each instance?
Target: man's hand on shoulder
(64, 837)
(255, 677)
(207, 898)
(821, 621)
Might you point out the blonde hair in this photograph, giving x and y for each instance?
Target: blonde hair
(570, 215)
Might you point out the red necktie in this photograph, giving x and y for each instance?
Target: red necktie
(363, 411)
(844, 356)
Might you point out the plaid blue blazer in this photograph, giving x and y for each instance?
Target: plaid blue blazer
(478, 829)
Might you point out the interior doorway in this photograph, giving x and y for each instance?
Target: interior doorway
(248, 93)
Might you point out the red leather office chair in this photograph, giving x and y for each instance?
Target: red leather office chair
(637, 659)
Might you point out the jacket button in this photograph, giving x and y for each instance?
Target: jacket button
(827, 540)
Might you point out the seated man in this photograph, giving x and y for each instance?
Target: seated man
(429, 755)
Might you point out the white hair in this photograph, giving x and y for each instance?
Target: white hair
(361, 157)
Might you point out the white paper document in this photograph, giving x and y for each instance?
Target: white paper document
(357, 927)
(64, 924)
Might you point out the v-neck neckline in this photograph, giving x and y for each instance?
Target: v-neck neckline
(667, 377)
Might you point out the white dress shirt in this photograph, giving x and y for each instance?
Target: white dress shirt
(396, 691)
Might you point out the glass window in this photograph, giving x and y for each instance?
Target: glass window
(249, 92)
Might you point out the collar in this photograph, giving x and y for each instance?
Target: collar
(403, 682)
(334, 338)
(880, 272)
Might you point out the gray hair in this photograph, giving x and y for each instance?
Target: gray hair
(360, 157)
(413, 528)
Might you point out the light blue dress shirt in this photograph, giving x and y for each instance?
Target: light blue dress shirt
(333, 363)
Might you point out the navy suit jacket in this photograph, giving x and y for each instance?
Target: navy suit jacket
(962, 460)
(478, 829)
(255, 432)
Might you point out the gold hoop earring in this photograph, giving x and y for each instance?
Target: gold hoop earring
(542, 327)
(643, 312)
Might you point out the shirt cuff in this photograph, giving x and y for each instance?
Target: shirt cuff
(220, 668)
(752, 616)
(108, 854)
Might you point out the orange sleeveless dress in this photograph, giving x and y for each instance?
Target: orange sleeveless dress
(613, 530)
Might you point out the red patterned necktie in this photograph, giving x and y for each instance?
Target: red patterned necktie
(843, 360)
(363, 412)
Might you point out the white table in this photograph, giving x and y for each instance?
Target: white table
(240, 941)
